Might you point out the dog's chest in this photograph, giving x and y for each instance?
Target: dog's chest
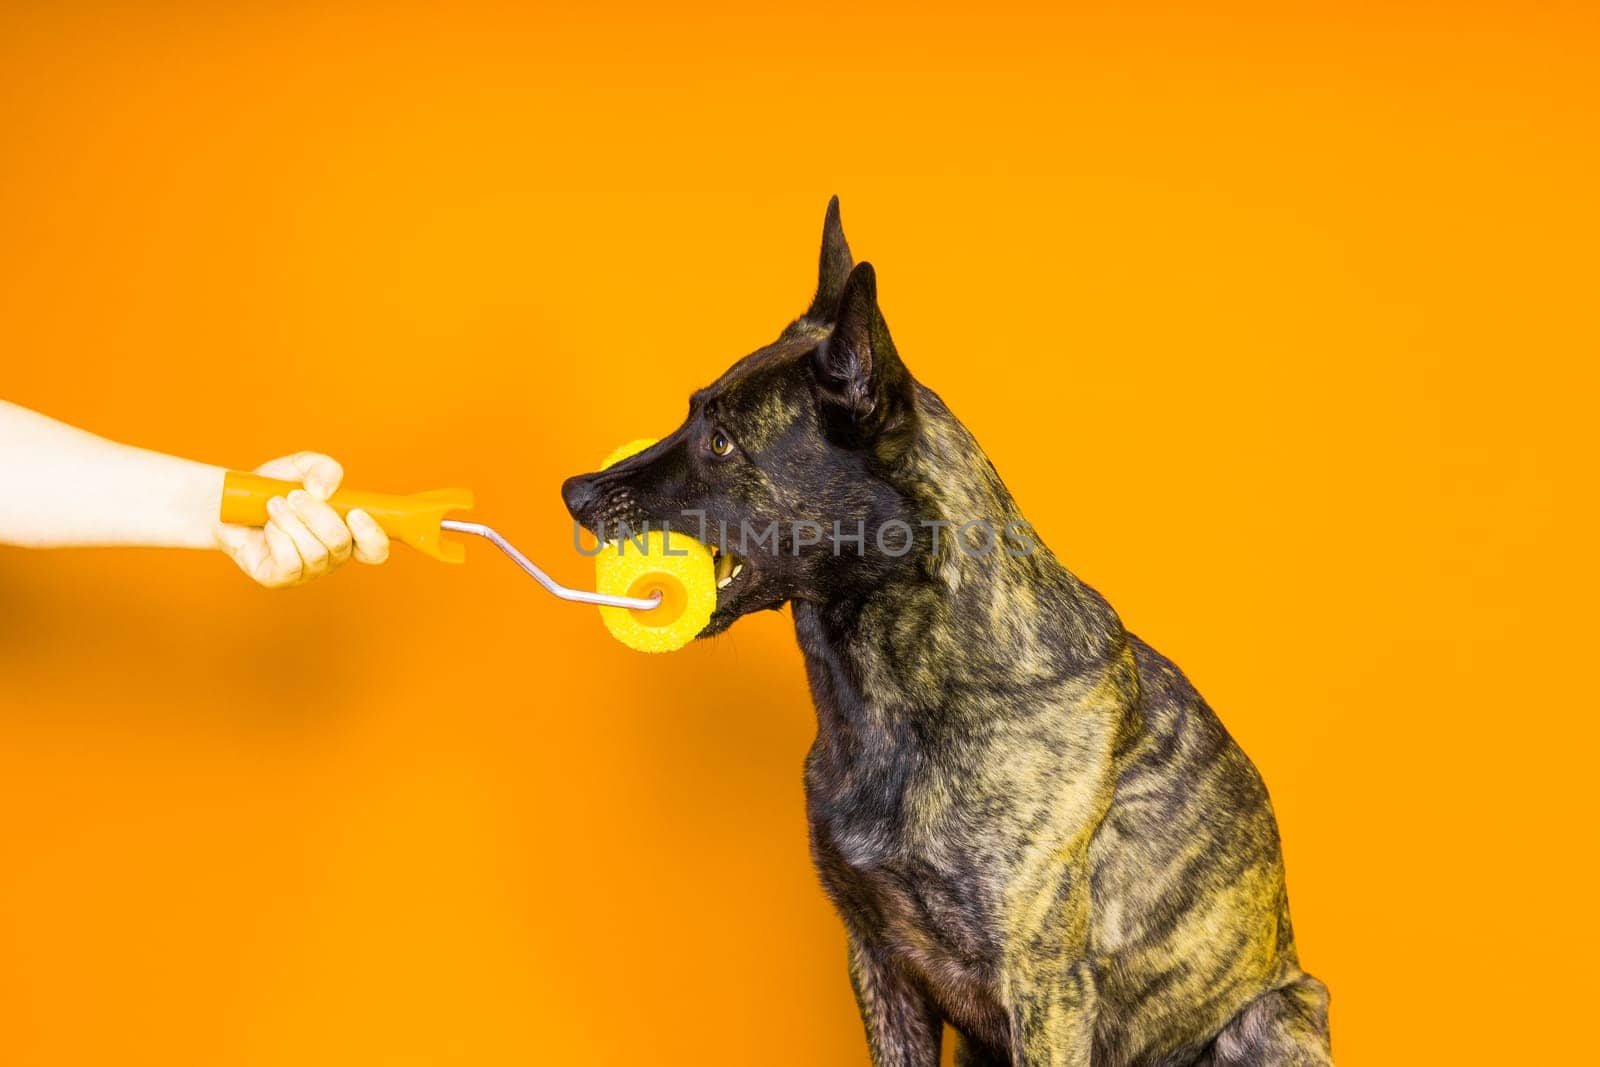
(908, 870)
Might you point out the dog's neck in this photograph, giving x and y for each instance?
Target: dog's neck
(956, 617)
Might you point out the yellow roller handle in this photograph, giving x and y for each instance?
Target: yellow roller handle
(413, 520)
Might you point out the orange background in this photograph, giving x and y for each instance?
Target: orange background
(1281, 326)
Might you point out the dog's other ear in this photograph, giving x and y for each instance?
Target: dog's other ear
(867, 395)
(833, 267)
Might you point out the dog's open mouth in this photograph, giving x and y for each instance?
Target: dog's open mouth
(728, 568)
(738, 590)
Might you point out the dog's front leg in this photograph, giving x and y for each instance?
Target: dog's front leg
(1053, 1018)
(1048, 982)
(903, 1026)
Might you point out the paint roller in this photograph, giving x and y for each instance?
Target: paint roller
(655, 591)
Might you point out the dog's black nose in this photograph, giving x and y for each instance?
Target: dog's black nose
(579, 492)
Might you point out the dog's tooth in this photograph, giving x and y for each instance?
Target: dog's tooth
(737, 567)
(725, 582)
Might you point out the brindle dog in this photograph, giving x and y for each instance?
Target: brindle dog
(1034, 828)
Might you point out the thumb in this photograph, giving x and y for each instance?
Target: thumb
(320, 474)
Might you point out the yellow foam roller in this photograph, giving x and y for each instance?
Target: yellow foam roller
(642, 566)
(622, 452)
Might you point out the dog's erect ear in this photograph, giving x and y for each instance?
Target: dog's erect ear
(833, 267)
(868, 397)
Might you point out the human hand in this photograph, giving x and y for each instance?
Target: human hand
(304, 538)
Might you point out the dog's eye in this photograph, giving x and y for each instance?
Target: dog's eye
(720, 443)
